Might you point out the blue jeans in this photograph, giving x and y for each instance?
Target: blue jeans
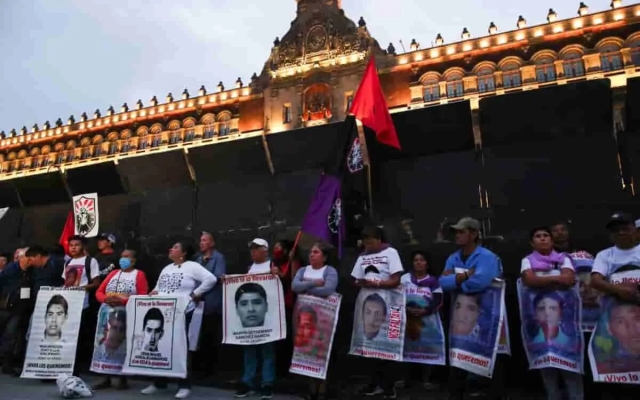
(267, 351)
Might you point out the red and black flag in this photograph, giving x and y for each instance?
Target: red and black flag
(341, 205)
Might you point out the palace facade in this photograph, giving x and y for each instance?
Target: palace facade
(314, 69)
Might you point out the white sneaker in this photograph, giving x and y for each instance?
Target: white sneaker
(151, 389)
(183, 393)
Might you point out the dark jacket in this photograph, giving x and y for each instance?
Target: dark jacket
(49, 275)
(14, 279)
(216, 265)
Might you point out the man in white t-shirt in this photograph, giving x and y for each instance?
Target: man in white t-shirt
(624, 254)
(82, 271)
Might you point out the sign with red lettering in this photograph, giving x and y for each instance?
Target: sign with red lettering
(253, 309)
(474, 330)
(551, 327)
(156, 336)
(379, 324)
(614, 349)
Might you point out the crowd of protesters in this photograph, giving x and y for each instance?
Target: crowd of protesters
(34, 267)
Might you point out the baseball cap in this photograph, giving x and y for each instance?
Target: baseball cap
(620, 218)
(257, 242)
(467, 223)
(107, 236)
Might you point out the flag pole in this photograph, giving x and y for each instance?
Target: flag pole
(367, 162)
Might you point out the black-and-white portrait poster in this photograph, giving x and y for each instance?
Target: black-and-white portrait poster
(55, 325)
(156, 336)
(253, 311)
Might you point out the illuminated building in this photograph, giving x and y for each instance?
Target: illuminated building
(313, 71)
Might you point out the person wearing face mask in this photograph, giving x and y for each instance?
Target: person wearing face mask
(285, 263)
(114, 292)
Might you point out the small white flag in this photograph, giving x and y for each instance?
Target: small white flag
(3, 212)
(85, 214)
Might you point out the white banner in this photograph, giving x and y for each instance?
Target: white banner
(51, 350)
(85, 214)
(253, 311)
(3, 212)
(156, 336)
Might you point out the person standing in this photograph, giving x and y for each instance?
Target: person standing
(623, 255)
(285, 263)
(321, 280)
(470, 270)
(193, 281)
(378, 267)
(82, 271)
(114, 291)
(259, 249)
(211, 331)
(16, 307)
(547, 269)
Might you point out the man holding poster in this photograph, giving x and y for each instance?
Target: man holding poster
(379, 315)
(54, 333)
(477, 309)
(613, 351)
(254, 316)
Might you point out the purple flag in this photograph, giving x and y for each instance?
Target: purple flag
(324, 218)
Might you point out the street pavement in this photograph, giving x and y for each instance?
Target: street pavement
(30, 389)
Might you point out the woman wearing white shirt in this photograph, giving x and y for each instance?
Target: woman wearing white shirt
(187, 278)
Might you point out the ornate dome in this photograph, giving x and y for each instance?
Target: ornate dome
(320, 31)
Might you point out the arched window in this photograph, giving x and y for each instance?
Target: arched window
(545, 70)
(189, 130)
(209, 126)
(431, 90)
(156, 137)
(224, 119)
(511, 76)
(635, 52)
(572, 64)
(610, 58)
(174, 134)
(455, 86)
(486, 80)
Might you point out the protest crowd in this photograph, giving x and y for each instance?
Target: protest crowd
(67, 314)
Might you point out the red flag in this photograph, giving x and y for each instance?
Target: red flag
(370, 107)
(67, 232)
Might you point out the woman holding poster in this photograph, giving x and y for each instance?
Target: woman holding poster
(379, 317)
(424, 336)
(110, 347)
(180, 278)
(550, 312)
(315, 318)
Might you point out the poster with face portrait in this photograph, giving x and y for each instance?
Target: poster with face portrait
(591, 307)
(55, 324)
(253, 311)
(551, 328)
(314, 325)
(474, 329)
(614, 349)
(504, 342)
(379, 324)
(156, 336)
(424, 335)
(109, 347)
